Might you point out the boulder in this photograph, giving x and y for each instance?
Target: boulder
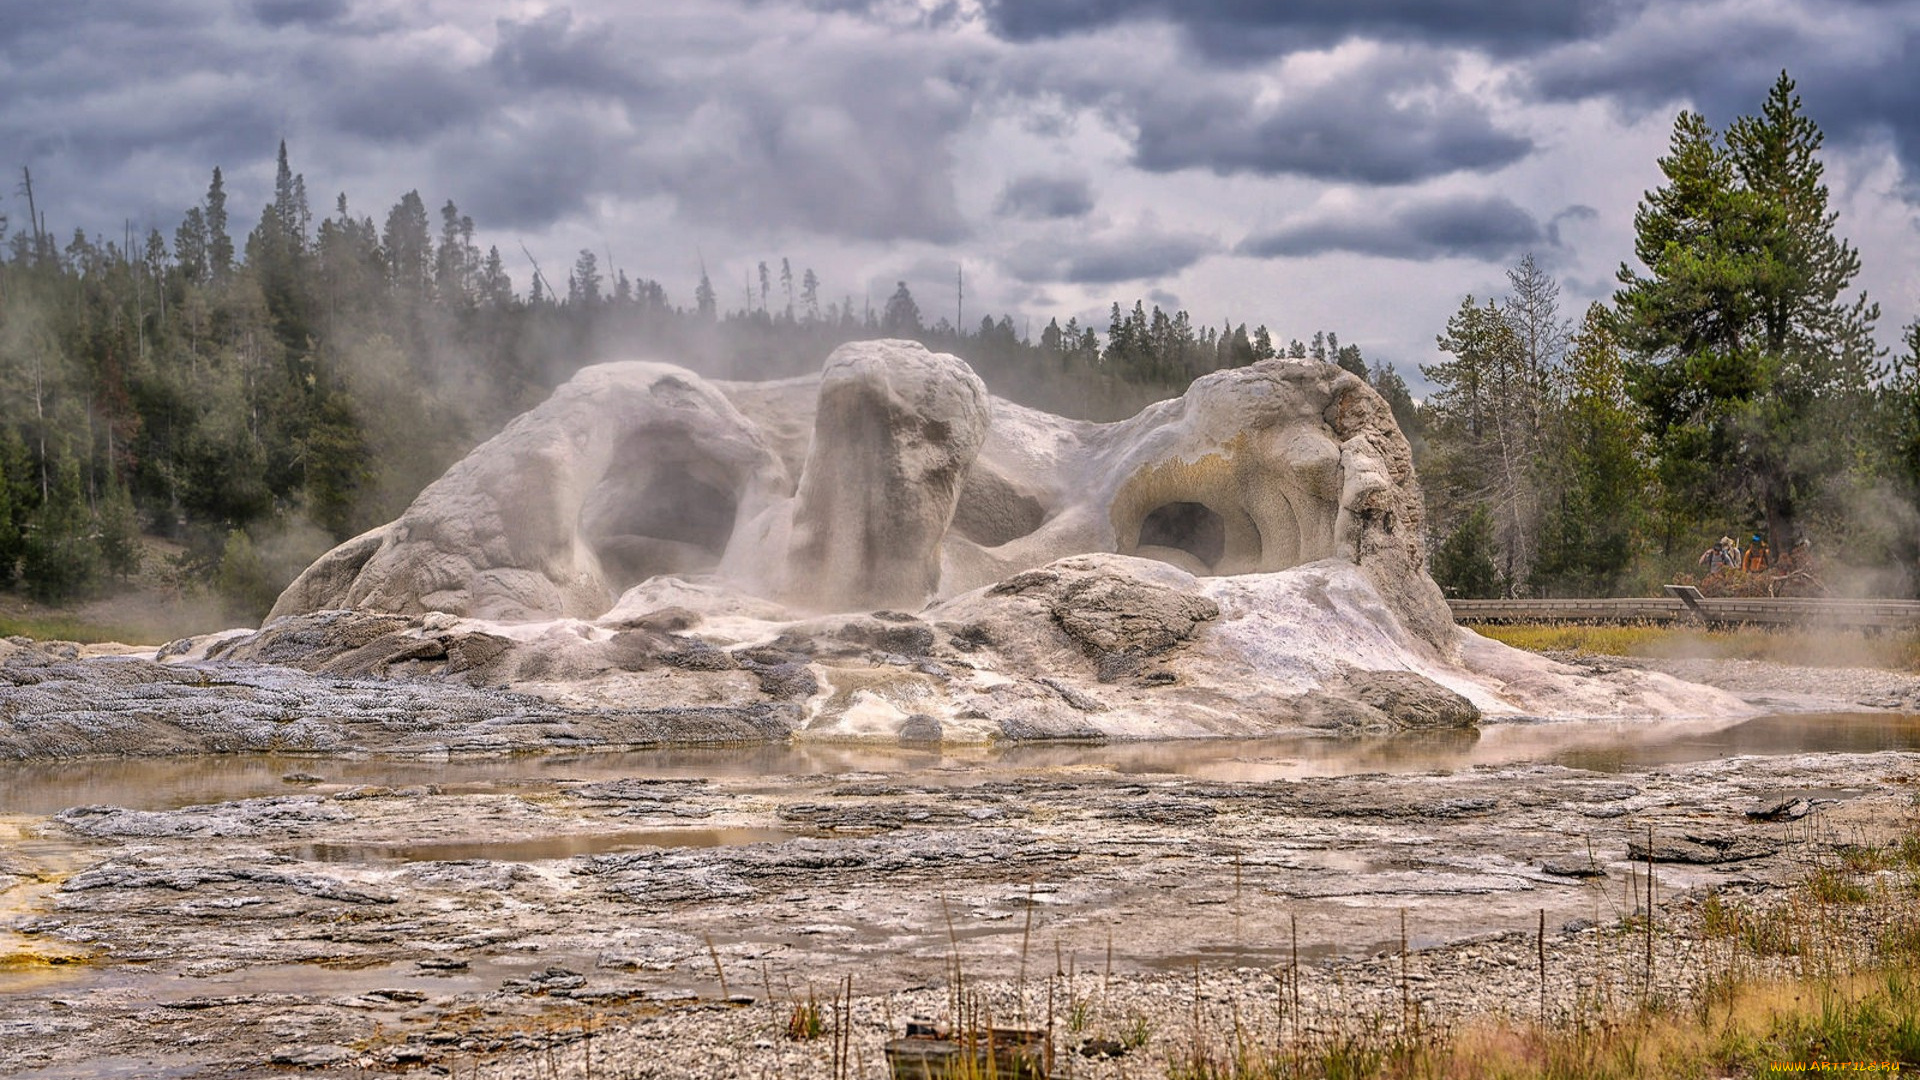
(1412, 700)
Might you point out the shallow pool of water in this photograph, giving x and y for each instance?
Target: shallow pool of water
(537, 848)
(1605, 746)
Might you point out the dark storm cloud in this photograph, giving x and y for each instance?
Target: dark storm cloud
(403, 98)
(1394, 120)
(552, 51)
(1575, 212)
(1851, 61)
(754, 122)
(1138, 253)
(527, 173)
(826, 135)
(846, 141)
(278, 13)
(1489, 228)
(26, 19)
(1243, 29)
(1037, 198)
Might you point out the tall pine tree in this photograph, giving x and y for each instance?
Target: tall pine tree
(1745, 351)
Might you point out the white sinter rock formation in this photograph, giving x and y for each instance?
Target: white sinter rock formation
(887, 551)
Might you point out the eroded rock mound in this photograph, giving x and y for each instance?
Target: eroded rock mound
(890, 480)
(627, 472)
(886, 552)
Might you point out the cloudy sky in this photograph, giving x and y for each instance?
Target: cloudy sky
(1354, 165)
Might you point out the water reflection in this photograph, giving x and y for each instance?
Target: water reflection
(1608, 746)
(537, 848)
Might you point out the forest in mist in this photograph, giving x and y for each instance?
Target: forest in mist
(246, 392)
(255, 397)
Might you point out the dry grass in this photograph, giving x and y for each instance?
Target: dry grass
(1825, 973)
(1869, 1018)
(1825, 648)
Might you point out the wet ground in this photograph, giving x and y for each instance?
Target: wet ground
(47, 787)
(251, 915)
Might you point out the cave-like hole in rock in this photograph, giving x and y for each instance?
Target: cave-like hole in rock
(674, 522)
(1189, 526)
(678, 506)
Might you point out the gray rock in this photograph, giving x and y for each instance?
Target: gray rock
(1568, 868)
(1108, 613)
(627, 471)
(1789, 808)
(1412, 700)
(311, 1057)
(1702, 848)
(289, 816)
(920, 728)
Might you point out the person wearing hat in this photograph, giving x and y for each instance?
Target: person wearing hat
(1756, 560)
(1722, 554)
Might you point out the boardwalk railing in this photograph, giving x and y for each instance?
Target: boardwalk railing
(1868, 614)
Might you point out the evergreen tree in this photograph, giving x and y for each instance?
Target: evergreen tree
(407, 244)
(117, 531)
(1263, 344)
(1050, 337)
(219, 243)
(1745, 353)
(1393, 389)
(1599, 478)
(810, 295)
(277, 256)
(583, 284)
(1484, 451)
(496, 287)
(9, 529)
(1463, 563)
(1240, 351)
(705, 302)
(902, 316)
(455, 262)
(1348, 357)
(1899, 409)
(190, 247)
(60, 557)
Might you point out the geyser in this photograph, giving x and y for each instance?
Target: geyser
(899, 481)
(1245, 559)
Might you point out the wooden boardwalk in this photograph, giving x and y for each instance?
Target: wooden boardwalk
(1856, 614)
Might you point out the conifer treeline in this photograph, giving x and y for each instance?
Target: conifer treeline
(259, 397)
(1733, 387)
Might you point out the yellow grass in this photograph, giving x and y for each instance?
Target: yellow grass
(1825, 648)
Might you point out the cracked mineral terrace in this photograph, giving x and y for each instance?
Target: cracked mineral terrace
(250, 916)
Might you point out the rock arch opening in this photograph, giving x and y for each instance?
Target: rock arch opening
(662, 508)
(1186, 526)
